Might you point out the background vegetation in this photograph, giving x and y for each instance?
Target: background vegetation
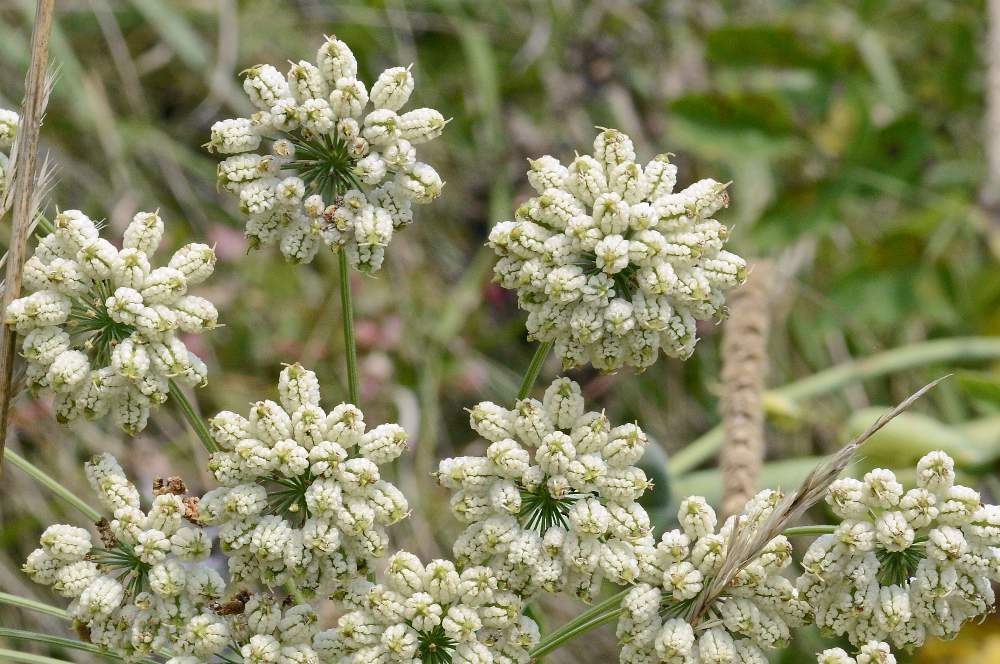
(853, 132)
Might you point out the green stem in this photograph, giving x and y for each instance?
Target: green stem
(28, 658)
(835, 378)
(33, 605)
(563, 635)
(808, 531)
(192, 417)
(534, 368)
(595, 611)
(55, 487)
(350, 343)
(25, 635)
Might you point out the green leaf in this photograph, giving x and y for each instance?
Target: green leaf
(981, 385)
(720, 125)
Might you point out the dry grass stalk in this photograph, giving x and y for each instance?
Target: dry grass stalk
(25, 186)
(744, 371)
(990, 193)
(746, 544)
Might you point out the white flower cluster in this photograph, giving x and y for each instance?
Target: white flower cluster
(8, 130)
(553, 503)
(904, 565)
(610, 263)
(302, 498)
(431, 614)
(873, 652)
(268, 631)
(101, 324)
(143, 591)
(753, 615)
(338, 172)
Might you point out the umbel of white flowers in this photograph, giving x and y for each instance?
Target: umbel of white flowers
(8, 130)
(754, 615)
(552, 504)
(431, 614)
(150, 588)
(338, 172)
(101, 324)
(131, 593)
(612, 265)
(302, 499)
(904, 565)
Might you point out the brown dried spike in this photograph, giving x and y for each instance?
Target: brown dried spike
(744, 370)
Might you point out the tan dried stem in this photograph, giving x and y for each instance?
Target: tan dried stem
(744, 372)
(745, 544)
(990, 193)
(25, 200)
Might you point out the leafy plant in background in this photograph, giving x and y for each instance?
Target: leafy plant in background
(637, 623)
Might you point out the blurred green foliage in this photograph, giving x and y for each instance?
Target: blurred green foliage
(852, 132)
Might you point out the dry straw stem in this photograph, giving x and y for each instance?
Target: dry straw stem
(744, 371)
(745, 544)
(991, 188)
(25, 185)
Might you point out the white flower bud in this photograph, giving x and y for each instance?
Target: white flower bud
(74, 578)
(195, 261)
(152, 546)
(68, 371)
(392, 89)
(233, 136)
(336, 60)
(421, 125)
(101, 597)
(881, 489)
(420, 182)
(936, 472)
(66, 543)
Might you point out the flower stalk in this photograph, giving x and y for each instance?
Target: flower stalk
(62, 642)
(33, 605)
(51, 484)
(541, 353)
(193, 418)
(350, 341)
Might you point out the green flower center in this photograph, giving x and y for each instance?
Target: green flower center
(540, 510)
(290, 500)
(90, 320)
(124, 565)
(435, 646)
(325, 165)
(898, 567)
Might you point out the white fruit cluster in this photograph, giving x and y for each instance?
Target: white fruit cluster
(610, 263)
(338, 172)
(431, 614)
(144, 590)
(553, 503)
(8, 130)
(753, 615)
(302, 498)
(873, 652)
(101, 324)
(904, 565)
